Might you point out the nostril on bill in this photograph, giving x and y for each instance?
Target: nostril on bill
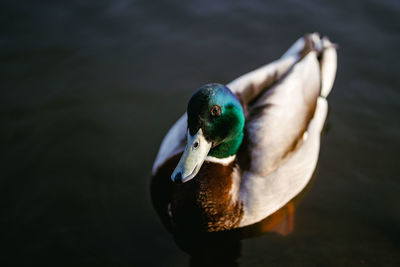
(196, 144)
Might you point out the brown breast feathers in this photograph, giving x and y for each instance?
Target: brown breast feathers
(204, 203)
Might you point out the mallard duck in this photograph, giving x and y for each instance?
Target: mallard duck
(245, 149)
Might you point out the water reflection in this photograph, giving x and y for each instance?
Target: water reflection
(224, 248)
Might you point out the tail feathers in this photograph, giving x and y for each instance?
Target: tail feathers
(325, 49)
(328, 63)
(328, 66)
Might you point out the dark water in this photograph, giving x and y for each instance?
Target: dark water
(89, 88)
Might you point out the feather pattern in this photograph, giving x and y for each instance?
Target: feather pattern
(279, 118)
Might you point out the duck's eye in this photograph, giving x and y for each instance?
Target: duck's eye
(215, 111)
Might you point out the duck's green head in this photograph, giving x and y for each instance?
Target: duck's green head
(215, 128)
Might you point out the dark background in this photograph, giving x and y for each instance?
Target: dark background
(89, 88)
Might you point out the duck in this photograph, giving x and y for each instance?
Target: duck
(243, 150)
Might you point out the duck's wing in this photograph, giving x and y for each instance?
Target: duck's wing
(277, 118)
(283, 130)
(277, 121)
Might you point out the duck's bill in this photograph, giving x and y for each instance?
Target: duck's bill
(196, 150)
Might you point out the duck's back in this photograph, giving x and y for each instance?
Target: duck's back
(278, 118)
(283, 132)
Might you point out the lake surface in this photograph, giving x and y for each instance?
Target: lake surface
(88, 90)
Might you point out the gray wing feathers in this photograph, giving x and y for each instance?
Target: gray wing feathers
(279, 118)
(284, 125)
(263, 195)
